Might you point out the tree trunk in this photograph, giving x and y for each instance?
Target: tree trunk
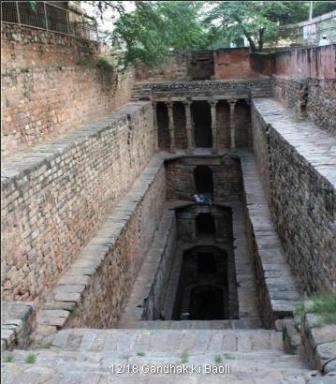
(261, 38)
(250, 40)
(247, 34)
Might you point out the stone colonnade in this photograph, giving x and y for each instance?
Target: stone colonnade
(188, 118)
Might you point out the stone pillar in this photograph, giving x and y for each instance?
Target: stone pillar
(232, 123)
(213, 104)
(172, 146)
(187, 108)
(155, 125)
(249, 132)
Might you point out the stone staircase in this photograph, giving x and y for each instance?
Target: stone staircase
(216, 355)
(192, 324)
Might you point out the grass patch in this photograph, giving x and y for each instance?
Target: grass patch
(184, 357)
(218, 359)
(321, 304)
(8, 358)
(30, 358)
(228, 356)
(42, 344)
(86, 62)
(102, 62)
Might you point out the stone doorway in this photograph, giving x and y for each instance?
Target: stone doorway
(203, 285)
(205, 224)
(202, 124)
(203, 179)
(206, 303)
(163, 125)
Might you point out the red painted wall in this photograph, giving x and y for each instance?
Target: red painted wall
(315, 63)
(233, 63)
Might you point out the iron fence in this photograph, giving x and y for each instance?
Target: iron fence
(50, 17)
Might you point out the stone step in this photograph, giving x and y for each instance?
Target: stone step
(272, 360)
(164, 341)
(89, 356)
(192, 324)
(85, 373)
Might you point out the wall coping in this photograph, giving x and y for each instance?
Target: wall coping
(28, 162)
(278, 289)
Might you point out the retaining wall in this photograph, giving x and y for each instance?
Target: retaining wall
(54, 198)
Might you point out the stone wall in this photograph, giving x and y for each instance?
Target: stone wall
(102, 301)
(296, 163)
(312, 98)
(226, 177)
(220, 64)
(51, 84)
(304, 80)
(233, 64)
(174, 68)
(55, 198)
(17, 323)
(210, 89)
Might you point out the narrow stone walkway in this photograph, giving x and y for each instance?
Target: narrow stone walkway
(316, 146)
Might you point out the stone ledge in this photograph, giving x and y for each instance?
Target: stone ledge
(319, 343)
(221, 89)
(17, 322)
(278, 293)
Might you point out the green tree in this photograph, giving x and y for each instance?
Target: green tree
(258, 21)
(156, 28)
(321, 7)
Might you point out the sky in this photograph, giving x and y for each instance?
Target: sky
(109, 17)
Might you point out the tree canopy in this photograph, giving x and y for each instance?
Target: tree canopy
(258, 21)
(155, 28)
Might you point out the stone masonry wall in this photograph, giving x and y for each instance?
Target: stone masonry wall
(295, 168)
(304, 80)
(233, 64)
(220, 64)
(226, 177)
(51, 84)
(54, 198)
(102, 301)
(174, 68)
(313, 98)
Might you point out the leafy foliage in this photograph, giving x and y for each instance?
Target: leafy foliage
(258, 21)
(321, 7)
(156, 28)
(322, 304)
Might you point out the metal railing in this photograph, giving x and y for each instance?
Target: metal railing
(50, 17)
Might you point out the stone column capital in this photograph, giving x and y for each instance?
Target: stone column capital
(232, 101)
(213, 103)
